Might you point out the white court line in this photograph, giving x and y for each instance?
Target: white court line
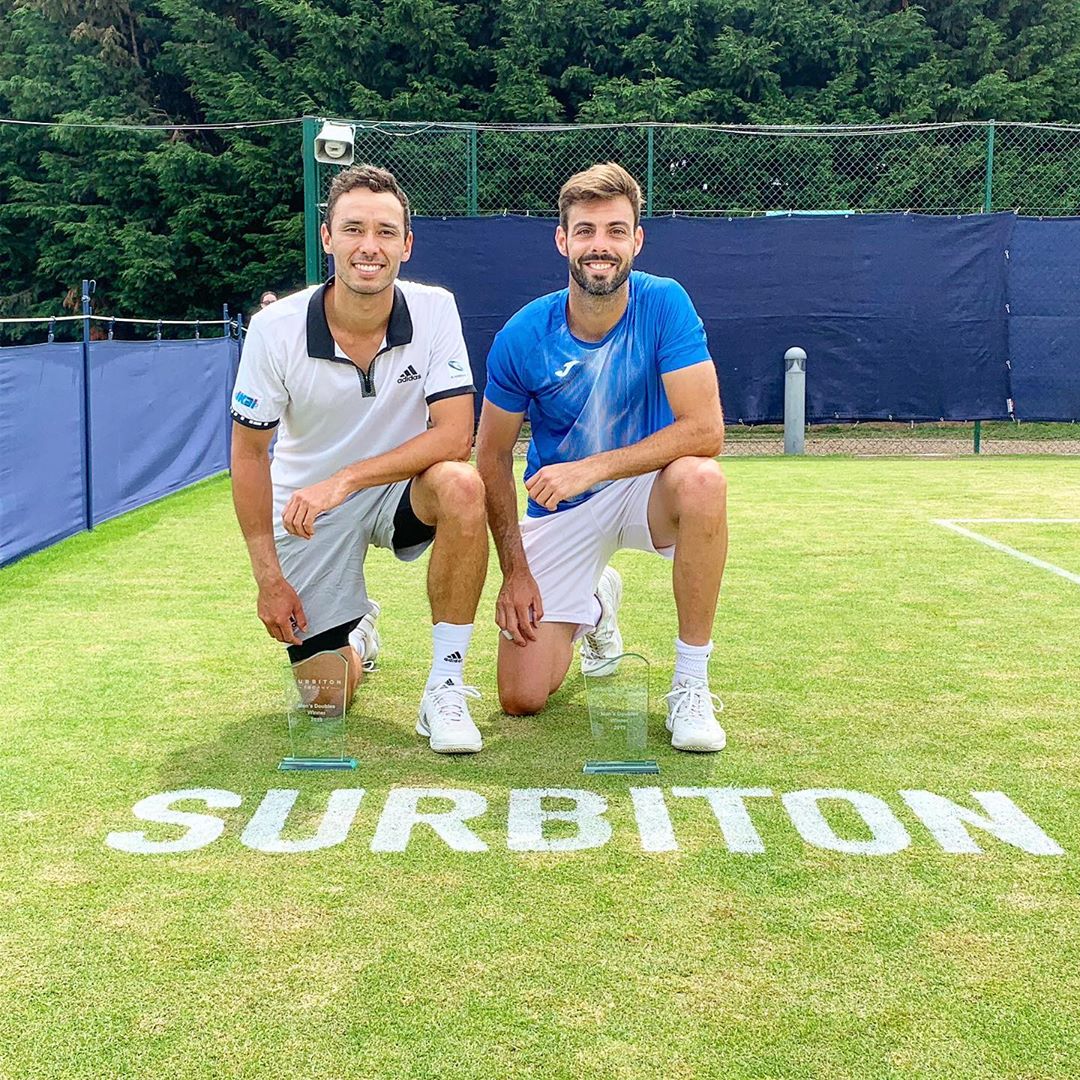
(955, 526)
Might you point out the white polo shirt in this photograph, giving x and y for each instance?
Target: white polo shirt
(332, 414)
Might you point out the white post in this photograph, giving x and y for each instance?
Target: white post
(795, 401)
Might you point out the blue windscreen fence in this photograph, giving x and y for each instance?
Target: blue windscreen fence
(154, 421)
(903, 317)
(1044, 318)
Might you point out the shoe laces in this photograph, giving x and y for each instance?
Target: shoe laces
(598, 641)
(690, 702)
(449, 699)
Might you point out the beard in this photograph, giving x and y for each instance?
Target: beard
(603, 287)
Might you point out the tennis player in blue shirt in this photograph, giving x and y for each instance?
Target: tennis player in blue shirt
(615, 376)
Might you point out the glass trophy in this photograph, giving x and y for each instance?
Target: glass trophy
(318, 694)
(618, 700)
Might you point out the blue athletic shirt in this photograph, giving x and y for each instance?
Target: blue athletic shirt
(585, 397)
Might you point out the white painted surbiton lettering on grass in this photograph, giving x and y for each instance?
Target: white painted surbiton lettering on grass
(263, 832)
(946, 820)
(531, 818)
(400, 816)
(202, 829)
(525, 828)
(653, 820)
(804, 809)
(731, 814)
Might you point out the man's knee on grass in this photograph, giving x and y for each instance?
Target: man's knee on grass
(522, 701)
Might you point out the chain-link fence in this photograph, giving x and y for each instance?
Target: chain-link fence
(462, 169)
(944, 439)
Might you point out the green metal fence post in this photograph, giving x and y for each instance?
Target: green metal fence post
(978, 437)
(988, 195)
(312, 247)
(649, 174)
(472, 182)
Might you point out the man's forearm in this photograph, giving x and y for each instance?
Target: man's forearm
(684, 438)
(253, 498)
(407, 460)
(497, 472)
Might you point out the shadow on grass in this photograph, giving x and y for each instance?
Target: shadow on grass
(546, 750)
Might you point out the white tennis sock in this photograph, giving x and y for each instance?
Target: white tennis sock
(691, 662)
(450, 643)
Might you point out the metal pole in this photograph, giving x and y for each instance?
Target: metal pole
(988, 193)
(472, 183)
(795, 401)
(230, 379)
(225, 329)
(312, 248)
(88, 286)
(978, 437)
(649, 174)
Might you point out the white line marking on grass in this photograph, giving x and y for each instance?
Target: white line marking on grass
(955, 525)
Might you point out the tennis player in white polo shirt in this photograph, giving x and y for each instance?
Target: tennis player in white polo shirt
(366, 382)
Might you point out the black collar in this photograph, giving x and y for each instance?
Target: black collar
(320, 342)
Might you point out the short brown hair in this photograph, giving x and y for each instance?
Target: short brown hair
(367, 176)
(607, 181)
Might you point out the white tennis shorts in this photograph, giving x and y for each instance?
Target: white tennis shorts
(567, 551)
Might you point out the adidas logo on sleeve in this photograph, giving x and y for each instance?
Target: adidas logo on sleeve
(410, 374)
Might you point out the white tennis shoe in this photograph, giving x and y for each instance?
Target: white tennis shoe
(365, 638)
(692, 719)
(445, 720)
(602, 645)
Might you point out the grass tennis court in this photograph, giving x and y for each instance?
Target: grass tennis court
(859, 647)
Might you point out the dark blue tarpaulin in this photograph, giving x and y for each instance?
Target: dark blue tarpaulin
(902, 316)
(1044, 324)
(158, 412)
(41, 447)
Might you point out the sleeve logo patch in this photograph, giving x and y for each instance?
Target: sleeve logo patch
(455, 365)
(247, 402)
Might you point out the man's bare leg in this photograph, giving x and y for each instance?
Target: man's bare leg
(450, 496)
(688, 508)
(530, 674)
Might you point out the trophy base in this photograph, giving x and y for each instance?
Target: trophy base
(300, 764)
(621, 768)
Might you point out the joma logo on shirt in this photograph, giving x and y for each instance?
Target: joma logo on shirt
(247, 402)
(565, 369)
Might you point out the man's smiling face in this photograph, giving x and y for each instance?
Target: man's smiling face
(600, 242)
(367, 238)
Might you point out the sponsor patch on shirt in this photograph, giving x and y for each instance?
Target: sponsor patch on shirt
(247, 402)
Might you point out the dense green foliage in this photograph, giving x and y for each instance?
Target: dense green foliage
(176, 223)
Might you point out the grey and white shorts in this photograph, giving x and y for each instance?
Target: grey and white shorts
(327, 571)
